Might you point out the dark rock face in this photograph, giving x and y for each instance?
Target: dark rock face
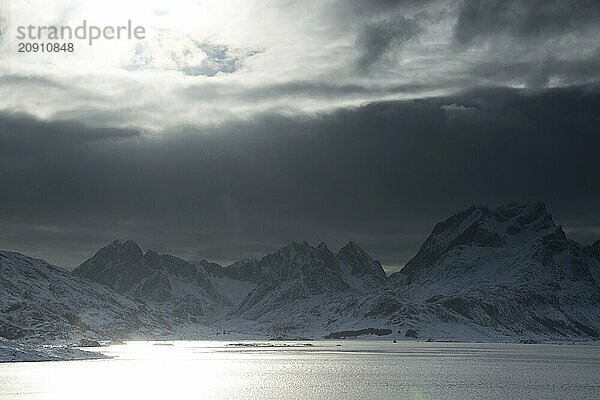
(360, 263)
(294, 272)
(88, 343)
(301, 271)
(11, 332)
(210, 268)
(360, 332)
(533, 216)
(316, 267)
(152, 277)
(411, 333)
(119, 266)
(244, 270)
(593, 250)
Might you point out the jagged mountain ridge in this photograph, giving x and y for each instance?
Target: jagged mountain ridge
(482, 274)
(247, 289)
(161, 280)
(298, 281)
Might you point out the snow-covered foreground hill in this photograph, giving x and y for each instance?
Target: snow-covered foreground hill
(507, 274)
(38, 300)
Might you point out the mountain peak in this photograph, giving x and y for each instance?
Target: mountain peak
(116, 265)
(128, 246)
(360, 262)
(533, 215)
(353, 250)
(151, 253)
(351, 246)
(478, 226)
(152, 276)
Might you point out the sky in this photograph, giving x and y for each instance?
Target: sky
(235, 127)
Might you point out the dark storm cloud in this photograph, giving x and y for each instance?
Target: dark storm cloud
(377, 38)
(523, 18)
(381, 26)
(20, 132)
(362, 7)
(532, 43)
(381, 175)
(538, 74)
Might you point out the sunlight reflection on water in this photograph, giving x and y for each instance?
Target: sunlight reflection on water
(356, 369)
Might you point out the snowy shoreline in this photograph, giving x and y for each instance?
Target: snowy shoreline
(11, 351)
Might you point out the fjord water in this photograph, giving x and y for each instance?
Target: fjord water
(321, 370)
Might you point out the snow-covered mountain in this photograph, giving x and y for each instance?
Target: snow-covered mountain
(162, 281)
(38, 300)
(503, 274)
(302, 290)
(509, 272)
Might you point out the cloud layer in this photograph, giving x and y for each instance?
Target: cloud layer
(237, 127)
(242, 59)
(381, 175)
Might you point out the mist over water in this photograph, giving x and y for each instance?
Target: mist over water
(313, 370)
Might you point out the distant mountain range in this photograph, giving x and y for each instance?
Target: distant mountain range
(506, 274)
